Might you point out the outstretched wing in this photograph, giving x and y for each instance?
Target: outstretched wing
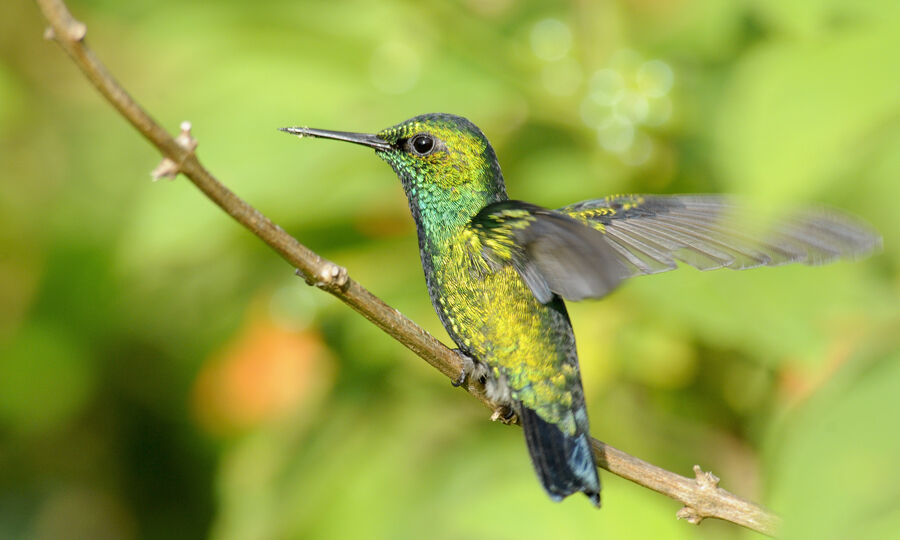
(586, 249)
(651, 233)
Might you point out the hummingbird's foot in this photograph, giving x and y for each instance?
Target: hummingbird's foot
(468, 367)
(504, 414)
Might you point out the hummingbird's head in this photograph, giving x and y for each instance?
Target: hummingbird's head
(440, 157)
(441, 152)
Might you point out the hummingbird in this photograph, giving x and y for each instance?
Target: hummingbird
(498, 270)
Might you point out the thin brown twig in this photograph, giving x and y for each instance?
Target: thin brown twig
(701, 496)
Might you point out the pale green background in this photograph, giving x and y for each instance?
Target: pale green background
(118, 294)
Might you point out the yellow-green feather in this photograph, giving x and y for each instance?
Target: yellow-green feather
(495, 316)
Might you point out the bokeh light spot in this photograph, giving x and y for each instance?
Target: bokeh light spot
(639, 151)
(607, 86)
(633, 106)
(594, 114)
(659, 111)
(618, 135)
(655, 78)
(551, 39)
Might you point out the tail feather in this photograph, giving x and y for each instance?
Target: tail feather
(564, 463)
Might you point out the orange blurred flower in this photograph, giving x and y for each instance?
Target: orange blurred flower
(265, 373)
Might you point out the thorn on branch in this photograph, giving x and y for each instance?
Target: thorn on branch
(707, 482)
(168, 168)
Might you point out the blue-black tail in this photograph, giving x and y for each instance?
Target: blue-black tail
(564, 463)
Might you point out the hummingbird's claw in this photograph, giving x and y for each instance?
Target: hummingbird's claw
(468, 366)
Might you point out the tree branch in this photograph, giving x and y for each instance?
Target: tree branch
(701, 496)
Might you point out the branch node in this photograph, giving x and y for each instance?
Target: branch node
(706, 480)
(330, 276)
(76, 31)
(168, 168)
(185, 139)
(690, 515)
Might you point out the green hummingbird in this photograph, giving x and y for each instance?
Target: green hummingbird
(497, 270)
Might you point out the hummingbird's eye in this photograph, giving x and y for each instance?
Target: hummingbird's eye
(422, 144)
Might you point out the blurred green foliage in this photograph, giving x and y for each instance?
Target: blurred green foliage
(164, 375)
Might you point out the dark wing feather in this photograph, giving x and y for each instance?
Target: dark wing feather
(552, 253)
(586, 249)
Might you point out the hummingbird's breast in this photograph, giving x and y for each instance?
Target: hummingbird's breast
(493, 316)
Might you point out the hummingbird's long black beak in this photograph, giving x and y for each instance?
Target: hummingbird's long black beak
(365, 139)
